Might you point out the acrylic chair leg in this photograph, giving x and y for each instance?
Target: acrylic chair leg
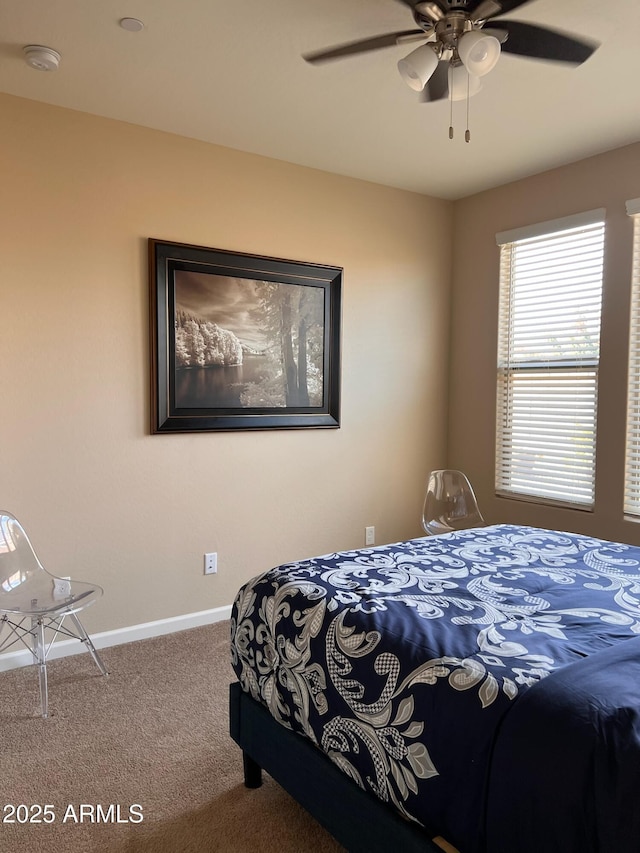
(86, 639)
(37, 626)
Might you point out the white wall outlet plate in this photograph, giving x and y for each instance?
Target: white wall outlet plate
(211, 563)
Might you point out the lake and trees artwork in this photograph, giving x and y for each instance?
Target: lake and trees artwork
(244, 343)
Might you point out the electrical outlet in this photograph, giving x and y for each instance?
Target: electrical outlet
(211, 563)
(369, 536)
(61, 587)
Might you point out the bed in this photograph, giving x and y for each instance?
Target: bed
(482, 686)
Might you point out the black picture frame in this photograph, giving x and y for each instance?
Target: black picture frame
(228, 334)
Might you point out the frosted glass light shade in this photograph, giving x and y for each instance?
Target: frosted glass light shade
(461, 82)
(417, 68)
(479, 52)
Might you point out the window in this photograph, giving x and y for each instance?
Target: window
(548, 357)
(632, 459)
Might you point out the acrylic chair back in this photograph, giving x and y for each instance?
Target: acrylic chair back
(450, 503)
(20, 569)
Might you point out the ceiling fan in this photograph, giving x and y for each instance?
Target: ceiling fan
(463, 44)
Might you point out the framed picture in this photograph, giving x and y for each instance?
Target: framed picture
(242, 341)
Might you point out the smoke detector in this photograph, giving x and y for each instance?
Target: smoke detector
(42, 58)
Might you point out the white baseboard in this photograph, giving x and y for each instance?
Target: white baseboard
(65, 648)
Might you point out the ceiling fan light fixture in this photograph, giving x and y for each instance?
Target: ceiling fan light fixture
(462, 83)
(479, 52)
(417, 68)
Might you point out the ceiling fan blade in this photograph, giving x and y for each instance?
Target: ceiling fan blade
(543, 43)
(486, 9)
(416, 35)
(362, 46)
(437, 86)
(506, 6)
(501, 34)
(429, 9)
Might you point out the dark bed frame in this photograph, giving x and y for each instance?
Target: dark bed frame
(355, 818)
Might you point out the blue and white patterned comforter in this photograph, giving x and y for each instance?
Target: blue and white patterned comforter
(485, 683)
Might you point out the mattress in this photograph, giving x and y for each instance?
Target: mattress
(483, 683)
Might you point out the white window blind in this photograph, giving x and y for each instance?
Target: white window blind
(632, 458)
(548, 358)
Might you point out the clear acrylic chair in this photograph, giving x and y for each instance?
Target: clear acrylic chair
(450, 503)
(34, 603)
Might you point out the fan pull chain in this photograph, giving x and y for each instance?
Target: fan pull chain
(467, 133)
(450, 108)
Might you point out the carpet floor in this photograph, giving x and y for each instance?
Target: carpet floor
(149, 746)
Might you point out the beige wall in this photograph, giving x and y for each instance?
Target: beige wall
(606, 181)
(100, 496)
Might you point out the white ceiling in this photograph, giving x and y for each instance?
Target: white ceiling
(231, 73)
